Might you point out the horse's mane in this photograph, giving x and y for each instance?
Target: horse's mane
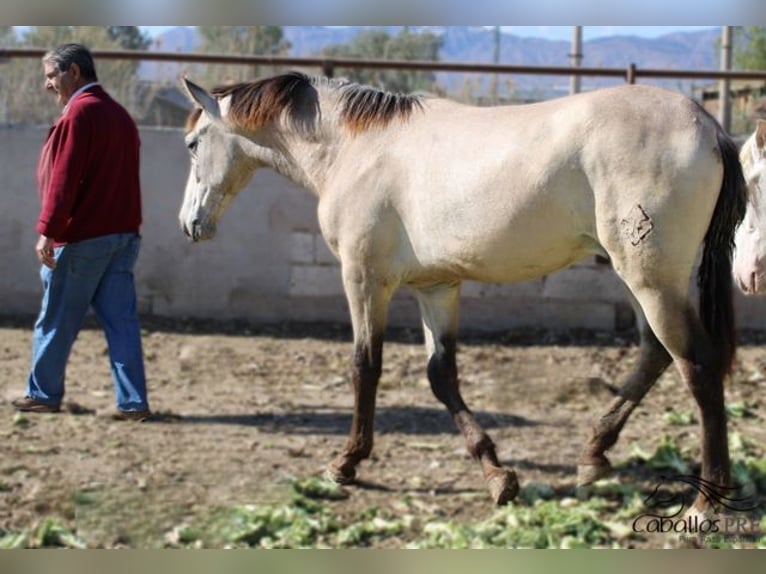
(365, 107)
(255, 104)
(191, 119)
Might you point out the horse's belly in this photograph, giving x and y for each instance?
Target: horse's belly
(525, 265)
(506, 263)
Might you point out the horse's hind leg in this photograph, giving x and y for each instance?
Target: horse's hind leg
(679, 329)
(652, 361)
(439, 309)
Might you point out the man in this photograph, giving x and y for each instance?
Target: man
(88, 180)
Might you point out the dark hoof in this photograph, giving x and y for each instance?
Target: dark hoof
(503, 486)
(588, 473)
(340, 472)
(700, 511)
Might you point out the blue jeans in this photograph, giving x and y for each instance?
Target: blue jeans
(95, 273)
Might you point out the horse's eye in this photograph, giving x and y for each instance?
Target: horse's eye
(192, 146)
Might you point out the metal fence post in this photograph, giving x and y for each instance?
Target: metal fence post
(724, 95)
(630, 74)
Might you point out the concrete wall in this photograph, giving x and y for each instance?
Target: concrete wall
(268, 262)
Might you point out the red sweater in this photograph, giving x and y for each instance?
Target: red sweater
(88, 174)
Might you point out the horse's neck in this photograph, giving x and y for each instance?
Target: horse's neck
(304, 159)
(305, 156)
(285, 165)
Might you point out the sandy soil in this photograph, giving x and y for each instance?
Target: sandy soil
(245, 410)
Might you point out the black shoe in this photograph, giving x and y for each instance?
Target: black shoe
(30, 405)
(137, 416)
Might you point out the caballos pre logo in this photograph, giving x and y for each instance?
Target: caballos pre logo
(666, 507)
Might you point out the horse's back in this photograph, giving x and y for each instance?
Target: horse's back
(513, 192)
(628, 131)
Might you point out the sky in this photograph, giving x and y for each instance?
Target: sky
(557, 32)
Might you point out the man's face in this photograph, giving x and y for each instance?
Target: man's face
(62, 84)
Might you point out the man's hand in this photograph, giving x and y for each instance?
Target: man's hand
(45, 251)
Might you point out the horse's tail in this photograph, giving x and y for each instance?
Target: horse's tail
(714, 277)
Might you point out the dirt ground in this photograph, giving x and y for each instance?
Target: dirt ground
(244, 410)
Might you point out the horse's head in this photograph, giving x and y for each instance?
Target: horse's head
(750, 239)
(222, 162)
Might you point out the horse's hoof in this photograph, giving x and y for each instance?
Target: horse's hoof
(340, 473)
(503, 486)
(698, 513)
(590, 473)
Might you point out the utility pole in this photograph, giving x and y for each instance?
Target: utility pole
(724, 96)
(575, 59)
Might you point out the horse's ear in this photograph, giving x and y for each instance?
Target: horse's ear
(199, 95)
(760, 135)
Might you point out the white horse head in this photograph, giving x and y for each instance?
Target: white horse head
(222, 162)
(749, 264)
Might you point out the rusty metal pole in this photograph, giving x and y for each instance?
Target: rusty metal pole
(575, 59)
(724, 85)
(495, 80)
(630, 74)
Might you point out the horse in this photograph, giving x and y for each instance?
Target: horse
(424, 192)
(750, 239)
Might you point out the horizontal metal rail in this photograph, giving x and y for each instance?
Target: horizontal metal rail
(328, 65)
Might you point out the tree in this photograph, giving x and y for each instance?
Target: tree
(239, 40)
(750, 51)
(28, 102)
(378, 44)
(7, 36)
(129, 37)
(7, 40)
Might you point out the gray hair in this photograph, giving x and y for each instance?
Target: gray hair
(67, 54)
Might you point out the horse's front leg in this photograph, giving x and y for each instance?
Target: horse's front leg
(364, 377)
(439, 308)
(368, 304)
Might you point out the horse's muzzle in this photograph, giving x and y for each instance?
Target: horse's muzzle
(199, 231)
(752, 283)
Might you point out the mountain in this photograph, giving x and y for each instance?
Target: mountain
(475, 44)
(179, 39)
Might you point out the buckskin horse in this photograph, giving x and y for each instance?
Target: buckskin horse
(425, 192)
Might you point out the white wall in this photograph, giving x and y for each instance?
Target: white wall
(268, 263)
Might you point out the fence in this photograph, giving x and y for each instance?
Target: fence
(269, 262)
(630, 74)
